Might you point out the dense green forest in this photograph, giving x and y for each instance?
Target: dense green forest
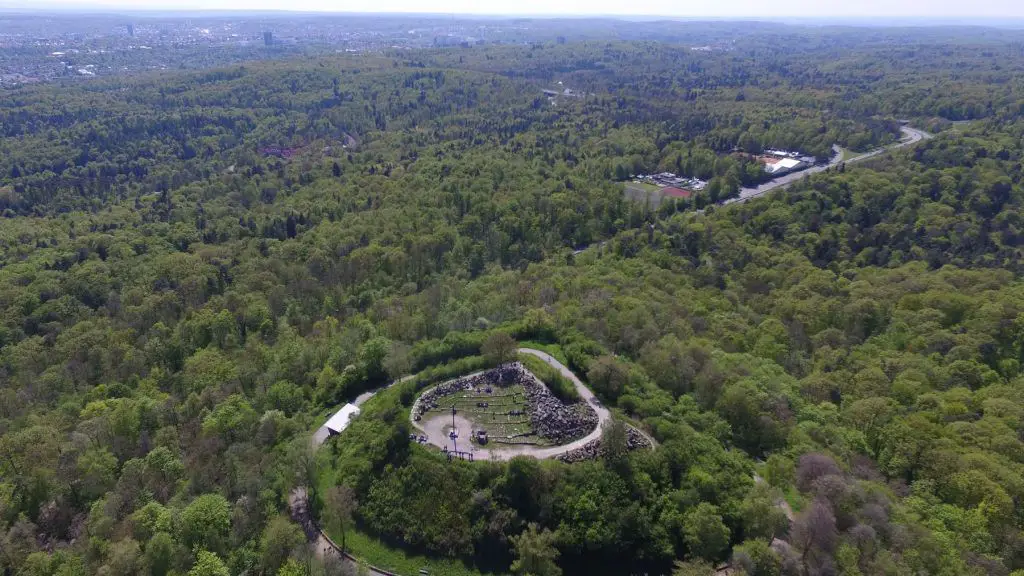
(197, 267)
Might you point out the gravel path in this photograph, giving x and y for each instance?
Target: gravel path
(435, 427)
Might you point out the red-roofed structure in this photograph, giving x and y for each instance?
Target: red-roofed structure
(676, 192)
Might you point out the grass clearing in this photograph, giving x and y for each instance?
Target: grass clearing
(559, 385)
(373, 551)
(846, 154)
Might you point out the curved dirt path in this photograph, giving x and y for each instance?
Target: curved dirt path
(435, 427)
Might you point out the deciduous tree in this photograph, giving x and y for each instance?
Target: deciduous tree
(535, 553)
(499, 349)
(340, 506)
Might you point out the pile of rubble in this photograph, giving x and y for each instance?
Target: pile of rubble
(553, 419)
(589, 451)
(482, 380)
(592, 450)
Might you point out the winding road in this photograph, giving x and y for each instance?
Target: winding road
(298, 501)
(324, 547)
(911, 136)
(435, 427)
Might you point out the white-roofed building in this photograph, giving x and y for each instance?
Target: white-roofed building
(335, 424)
(784, 165)
(341, 418)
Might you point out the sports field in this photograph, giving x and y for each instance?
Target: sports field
(642, 193)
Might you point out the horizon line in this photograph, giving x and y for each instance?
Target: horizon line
(116, 10)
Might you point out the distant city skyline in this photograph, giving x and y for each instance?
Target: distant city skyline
(934, 10)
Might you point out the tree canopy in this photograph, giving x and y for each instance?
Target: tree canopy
(197, 267)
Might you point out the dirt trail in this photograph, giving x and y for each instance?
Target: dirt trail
(323, 547)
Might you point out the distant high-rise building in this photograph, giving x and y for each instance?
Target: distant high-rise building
(131, 30)
(268, 38)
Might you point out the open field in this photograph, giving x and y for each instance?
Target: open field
(643, 193)
(377, 553)
(644, 186)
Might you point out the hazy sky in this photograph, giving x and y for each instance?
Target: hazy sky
(692, 8)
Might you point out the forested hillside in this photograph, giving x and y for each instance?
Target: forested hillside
(198, 267)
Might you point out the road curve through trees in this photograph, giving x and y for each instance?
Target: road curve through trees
(434, 428)
(323, 546)
(911, 136)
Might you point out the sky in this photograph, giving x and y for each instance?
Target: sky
(931, 9)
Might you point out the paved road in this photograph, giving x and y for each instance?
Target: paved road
(911, 136)
(434, 428)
